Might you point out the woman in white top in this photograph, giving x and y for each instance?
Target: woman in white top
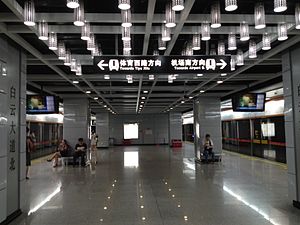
(94, 141)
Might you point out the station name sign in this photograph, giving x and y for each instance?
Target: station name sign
(162, 64)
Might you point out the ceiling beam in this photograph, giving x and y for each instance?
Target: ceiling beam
(142, 18)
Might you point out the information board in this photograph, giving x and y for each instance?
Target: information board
(162, 64)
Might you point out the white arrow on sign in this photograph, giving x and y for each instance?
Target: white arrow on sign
(101, 64)
(223, 64)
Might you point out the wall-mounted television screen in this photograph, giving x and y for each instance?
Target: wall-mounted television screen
(249, 102)
(41, 104)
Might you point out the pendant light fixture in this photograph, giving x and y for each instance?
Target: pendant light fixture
(252, 50)
(79, 15)
(244, 31)
(266, 42)
(232, 63)
(78, 69)
(73, 65)
(189, 49)
(212, 51)
(230, 5)
(61, 50)
(215, 15)
(151, 77)
(170, 79)
(165, 33)
(231, 42)
(205, 31)
(126, 18)
(170, 16)
(124, 4)
(162, 45)
(91, 43)
(126, 52)
(259, 16)
(177, 5)
(221, 48)
(86, 31)
(240, 58)
(97, 51)
(29, 13)
(43, 30)
(53, 41)
(282, 32)
(196, 42)
(106, 77)
(155, 53)
(297, 15)
(72, 4)
(126, 34)
(127, 45)
(280, 5)
(67, 61)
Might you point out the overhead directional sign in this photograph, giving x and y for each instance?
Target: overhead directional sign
(162, 64)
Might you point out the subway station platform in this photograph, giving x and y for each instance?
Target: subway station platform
(157, 185)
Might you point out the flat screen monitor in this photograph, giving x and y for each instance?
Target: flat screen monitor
(249, 102)
(41, 104)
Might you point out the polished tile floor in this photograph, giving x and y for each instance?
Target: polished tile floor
(155, 185)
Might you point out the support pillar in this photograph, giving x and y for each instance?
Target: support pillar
(102, 129)
(291, 84)
(175, 126)
(207, 120)
(76, 120)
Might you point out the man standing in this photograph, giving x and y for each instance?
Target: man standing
(208, 148)
(29, 149)
(80, 151)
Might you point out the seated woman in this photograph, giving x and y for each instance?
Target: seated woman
(62, 151)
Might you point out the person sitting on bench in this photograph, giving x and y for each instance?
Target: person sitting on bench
(62, 151)
(208, 148)
(80, 151)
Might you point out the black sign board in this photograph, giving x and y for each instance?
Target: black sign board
(162, 64)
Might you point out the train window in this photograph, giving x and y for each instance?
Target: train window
(268, 129)
(131, 130)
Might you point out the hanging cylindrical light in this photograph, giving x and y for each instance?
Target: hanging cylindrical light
(177, 5)
(97, 51)
(151, 77)
(162, 45)
(252, 50)
(215, 15)
(72, 4)
(221, 48)
(126, 18)
(78, 69)
(170, 79)
(126, 52)
(29, 13)
(155, 52)
(53, 41)
(170, 16)
(124, 4)
(189, 49)
(43, 30)
(266, 42)
(106, 77)
(244, 31)
(259, 16)
(297, 15)
(79, 15)
(67, 61)
(91, 43)
(73, 65)
(196, 42)
(231, 5)
(127, 45)
(165, 33)
(240, 58)
(205, 31)
(282, 32)
(280, 5)
(231, 42)
(61, 50)
(212, 51)
(85, 31)
(126, 34)
(233, 63)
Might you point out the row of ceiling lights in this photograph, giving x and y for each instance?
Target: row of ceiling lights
(63, 53)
